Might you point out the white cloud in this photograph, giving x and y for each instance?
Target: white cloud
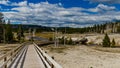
(4, 2)
(54, 15)
(63, 13)
(105, 7)
(102, 8)
(23, 3)
(22, 9)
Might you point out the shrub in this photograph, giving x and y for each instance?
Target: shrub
(70, 42)
(113, 43)
(62, 40)
(91, 42)
(106, 41)
(50, 39)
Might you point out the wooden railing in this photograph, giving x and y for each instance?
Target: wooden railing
(47, 60)
(10, 56)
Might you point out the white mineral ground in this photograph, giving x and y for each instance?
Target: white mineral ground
(80, 56)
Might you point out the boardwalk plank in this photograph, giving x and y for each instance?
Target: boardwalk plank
(32, 59)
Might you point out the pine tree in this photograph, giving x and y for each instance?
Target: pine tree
(113, 43)
(118, 29)
(9, 34)
(20, 33)
(4, 32)
(106, 41)
(1, 27)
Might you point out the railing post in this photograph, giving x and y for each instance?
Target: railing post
(45, 58)
(52, 66)
(11, 55)
(14, 52)
(45, 51)
(5, 59)
(52, 57)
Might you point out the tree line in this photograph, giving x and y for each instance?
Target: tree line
(6, 32)
(113, 27)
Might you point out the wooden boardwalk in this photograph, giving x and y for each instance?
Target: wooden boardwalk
(28, 59)
(28, 56)
(32, 59)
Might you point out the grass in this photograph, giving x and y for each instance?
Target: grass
(45, 34)
(51, 48)
(51, 34)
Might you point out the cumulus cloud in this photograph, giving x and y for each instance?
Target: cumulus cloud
(102, 8)
(47, 14)
(23, 3)
(4, 2)
(106, 1)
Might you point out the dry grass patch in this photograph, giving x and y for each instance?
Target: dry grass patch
(45, 34)
(52, 48)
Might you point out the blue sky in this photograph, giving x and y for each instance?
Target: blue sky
(61, 13)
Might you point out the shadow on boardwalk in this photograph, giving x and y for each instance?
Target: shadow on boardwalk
(18, 62)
